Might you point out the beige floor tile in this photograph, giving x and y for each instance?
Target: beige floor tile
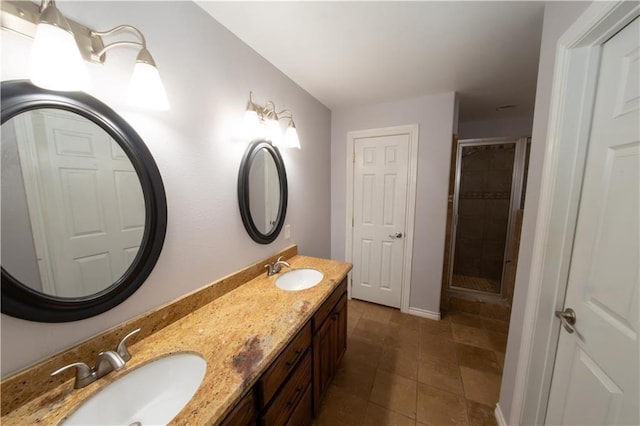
(439, 407)
(378, 312)
(437, 347)
(363, 350)
(436, 328)
(480, 415)
(408, 322)
(379, 416)
(498, 341)
(500, 358)
(465, 319)
(395, 393)
(340, 408)
(499, 312)
(440, 374)
(471, 336)
(496, 325)
(406, 341)
(356, 306)
(355, 378)
(480, 386)
(477, 358)
(371, 329)
(399, 362)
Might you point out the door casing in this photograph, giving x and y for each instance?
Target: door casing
(571, 106)
(412, 131)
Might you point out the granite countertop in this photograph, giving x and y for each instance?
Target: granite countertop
(238, 334)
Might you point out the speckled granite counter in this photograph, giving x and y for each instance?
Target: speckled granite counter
(239, 335)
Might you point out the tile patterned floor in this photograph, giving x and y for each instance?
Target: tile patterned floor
(401, 369)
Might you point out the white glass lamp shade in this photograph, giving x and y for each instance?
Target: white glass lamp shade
(291, 138)
(146, 89)
(251, 125)
(274, 132)
(56, 62)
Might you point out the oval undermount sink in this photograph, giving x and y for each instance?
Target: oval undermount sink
(150, 395)
(299, 279)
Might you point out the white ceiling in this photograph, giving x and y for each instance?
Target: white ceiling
(353, 53)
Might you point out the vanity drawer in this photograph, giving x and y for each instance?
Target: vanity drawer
(284, 364)
(302, 414)
(326, 308)
(286, 402)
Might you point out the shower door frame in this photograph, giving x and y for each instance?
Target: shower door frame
(517, 179)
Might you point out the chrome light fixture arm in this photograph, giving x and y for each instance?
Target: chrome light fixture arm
(142, 44)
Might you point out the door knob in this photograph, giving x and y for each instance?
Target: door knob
(396, 235)
(568, 318)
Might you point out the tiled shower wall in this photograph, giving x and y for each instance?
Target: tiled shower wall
(483, 210)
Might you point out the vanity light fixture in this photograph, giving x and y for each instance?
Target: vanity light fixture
(264, 121)
(61, 44)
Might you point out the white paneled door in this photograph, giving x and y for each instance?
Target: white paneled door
(380, 191)
(596, 374)
(95, 215)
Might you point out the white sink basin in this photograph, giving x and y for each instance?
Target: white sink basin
(151, 395)
(299, 279)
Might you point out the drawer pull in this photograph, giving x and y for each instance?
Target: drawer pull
(295, 359)
(295, 398)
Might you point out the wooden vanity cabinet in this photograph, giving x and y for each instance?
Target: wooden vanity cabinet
(290, 391)
(329, 341)
(244, 413)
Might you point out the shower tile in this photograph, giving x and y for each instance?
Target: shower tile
(499, 312)
(464, 319)
(496, 325)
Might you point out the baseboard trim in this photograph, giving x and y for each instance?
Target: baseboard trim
(499, 416)
(424, 313)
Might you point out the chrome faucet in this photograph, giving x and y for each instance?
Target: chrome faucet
(275, 267)
(107, 362)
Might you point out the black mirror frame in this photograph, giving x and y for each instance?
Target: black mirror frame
(20, 301)
(243, 191)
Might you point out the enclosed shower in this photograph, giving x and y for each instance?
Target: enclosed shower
(488, 199)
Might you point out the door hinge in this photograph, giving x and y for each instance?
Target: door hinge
(353, 157)
(353, 222)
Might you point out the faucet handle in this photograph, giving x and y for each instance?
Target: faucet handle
(122, 346)
(83, 372)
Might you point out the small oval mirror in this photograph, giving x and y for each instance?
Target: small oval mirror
(262, 192)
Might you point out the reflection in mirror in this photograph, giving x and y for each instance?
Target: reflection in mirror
(73, 211)
(264, 191)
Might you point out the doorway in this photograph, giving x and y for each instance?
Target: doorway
(487, 205)
(381, 192)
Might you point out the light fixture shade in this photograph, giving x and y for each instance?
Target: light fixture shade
(291, 138)
(274, 132)
(56, 62)
(146, 89)
(251, 125)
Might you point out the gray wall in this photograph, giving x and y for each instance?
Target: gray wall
(504, 127)
(436, 117)
(558, 16)
(208, 73)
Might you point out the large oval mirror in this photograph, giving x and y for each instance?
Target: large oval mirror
(83, 206)
(262, 192)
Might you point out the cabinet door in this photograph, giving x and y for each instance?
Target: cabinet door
(323, 360)
(244, 413)
(340, 331)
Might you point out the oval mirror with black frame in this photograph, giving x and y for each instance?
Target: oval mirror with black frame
(262, 191)
(84, 212)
